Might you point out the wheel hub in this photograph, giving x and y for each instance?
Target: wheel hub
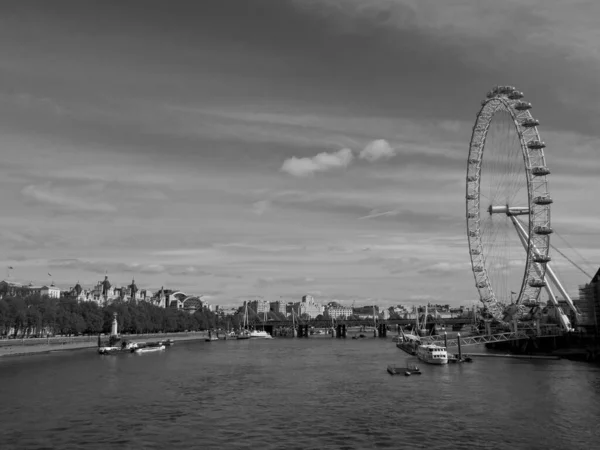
(509, 210)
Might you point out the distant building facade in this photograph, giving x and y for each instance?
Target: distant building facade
(260, 306)
(338, 311)
(309, 307)
(277, 307)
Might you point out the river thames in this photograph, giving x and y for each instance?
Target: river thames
(293, 393)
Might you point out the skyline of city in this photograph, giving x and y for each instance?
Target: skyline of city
(313, 147)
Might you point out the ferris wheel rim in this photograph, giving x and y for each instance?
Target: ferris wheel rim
(505, 98)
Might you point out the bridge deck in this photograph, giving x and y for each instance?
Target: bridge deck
(485, 339)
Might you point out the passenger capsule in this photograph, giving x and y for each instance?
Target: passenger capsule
(541, 259)
(540, 171)
(536, 145)
(522, 106)
(530, 123)
(543, 200)
(536, 283)
(515, 95)
(541, 229)
(471, 197)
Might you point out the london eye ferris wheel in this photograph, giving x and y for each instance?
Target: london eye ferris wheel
(508, 206)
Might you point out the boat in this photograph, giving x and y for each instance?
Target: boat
(410, 369)
(432, 354)
(148, 349)
(211, 338)
(244, 333)
(260, 334)
(109, 350)
(413, 369)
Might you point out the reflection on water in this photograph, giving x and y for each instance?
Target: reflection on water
(302, 393)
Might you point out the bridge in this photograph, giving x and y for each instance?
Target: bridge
(327, 323)
(525, 333)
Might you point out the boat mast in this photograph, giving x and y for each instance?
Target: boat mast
(416, 310)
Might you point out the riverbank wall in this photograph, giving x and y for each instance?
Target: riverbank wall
(21, 347)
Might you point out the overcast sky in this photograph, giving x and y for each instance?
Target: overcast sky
(276, 148)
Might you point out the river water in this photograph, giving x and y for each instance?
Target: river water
(315, 393)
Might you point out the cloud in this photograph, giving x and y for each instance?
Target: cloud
(261, 207)
(301, 167)
(60, 198)
(376, 150)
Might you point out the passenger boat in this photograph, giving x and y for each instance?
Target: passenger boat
(260, 334)
(432, 354)
(148, 349)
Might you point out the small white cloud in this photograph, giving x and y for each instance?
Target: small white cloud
(376, 150)
(301, 167)
(261, 207)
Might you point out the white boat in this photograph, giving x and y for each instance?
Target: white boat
(260, 334)
(149, 349)
(432, 354)
(108, 350)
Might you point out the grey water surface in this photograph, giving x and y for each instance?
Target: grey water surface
(315, 393)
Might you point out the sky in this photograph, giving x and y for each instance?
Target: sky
(272, 149)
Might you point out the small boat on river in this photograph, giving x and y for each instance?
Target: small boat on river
(260, 334)
(156, 348)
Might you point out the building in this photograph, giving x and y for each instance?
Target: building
(309, 307)
(277, 307)
(589, 304)
(159, 299)
(10, 288)
(50, 291)
(175, 299)
(192, 304)
(292, 307)
(338, 311)
(260, 306)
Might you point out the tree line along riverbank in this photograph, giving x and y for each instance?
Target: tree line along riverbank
(37, 316)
